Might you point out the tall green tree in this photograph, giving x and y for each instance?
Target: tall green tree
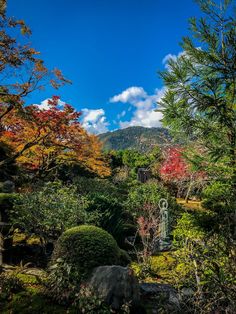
(200, 100)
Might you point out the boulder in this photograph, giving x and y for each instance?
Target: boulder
(115, 285)
(156, 295)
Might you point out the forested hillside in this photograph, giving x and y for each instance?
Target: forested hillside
(136, 137)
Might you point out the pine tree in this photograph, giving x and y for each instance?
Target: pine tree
(200, 98)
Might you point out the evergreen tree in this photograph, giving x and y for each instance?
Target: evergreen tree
(200, 99)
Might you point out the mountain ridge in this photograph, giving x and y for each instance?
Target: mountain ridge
(135, 137)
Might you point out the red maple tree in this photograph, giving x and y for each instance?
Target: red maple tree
(174, 166)
(175, 169)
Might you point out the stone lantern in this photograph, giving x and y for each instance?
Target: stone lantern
(144, 174)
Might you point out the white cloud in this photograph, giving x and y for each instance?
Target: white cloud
(94, 120)
(170, 56)
(144, 105)
(175, 57)
(147, 119)
(45, 106)
(129, 95)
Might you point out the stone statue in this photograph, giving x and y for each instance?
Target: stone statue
(164, 225)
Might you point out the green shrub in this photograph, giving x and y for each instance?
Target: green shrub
(78, 251)
(49, 211)
(124, 258)
(150, 194)
(113, 218)
(193, 227)
(87, 246)
(218, 197)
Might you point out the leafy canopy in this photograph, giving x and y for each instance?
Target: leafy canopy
(200, 100)
(42, 139)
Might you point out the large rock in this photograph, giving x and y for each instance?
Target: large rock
(115, 285)
(156, 296)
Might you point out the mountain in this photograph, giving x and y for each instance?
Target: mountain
(135, 137)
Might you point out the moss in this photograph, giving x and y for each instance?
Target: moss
(32, 303)
(163, 260)
(27, 279)
(33, 240)
(7, 197)
(161, 267)
(28, 298)
(137, 268)
(162, 264)
(190, 205)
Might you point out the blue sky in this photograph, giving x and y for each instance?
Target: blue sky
(111, 50)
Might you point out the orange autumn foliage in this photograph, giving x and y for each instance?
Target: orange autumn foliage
(45, 138)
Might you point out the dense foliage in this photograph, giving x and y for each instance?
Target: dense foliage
(112, 216)
(200, 99)
(58, 208)
(199, 104)
(204, 263)
(78, 251)
(43, 139)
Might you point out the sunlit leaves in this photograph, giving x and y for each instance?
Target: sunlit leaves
(45, 138)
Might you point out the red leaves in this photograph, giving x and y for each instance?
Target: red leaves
(175, 166)
(51, 135)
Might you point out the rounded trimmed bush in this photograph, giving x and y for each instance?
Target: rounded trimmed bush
(78, 251)
(86, 247)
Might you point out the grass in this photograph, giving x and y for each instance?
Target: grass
(192, 205)
(159, 269)
(162, 264)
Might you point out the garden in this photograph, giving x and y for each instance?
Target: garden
(88, 230)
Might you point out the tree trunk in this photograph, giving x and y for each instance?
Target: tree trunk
(188, 192)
